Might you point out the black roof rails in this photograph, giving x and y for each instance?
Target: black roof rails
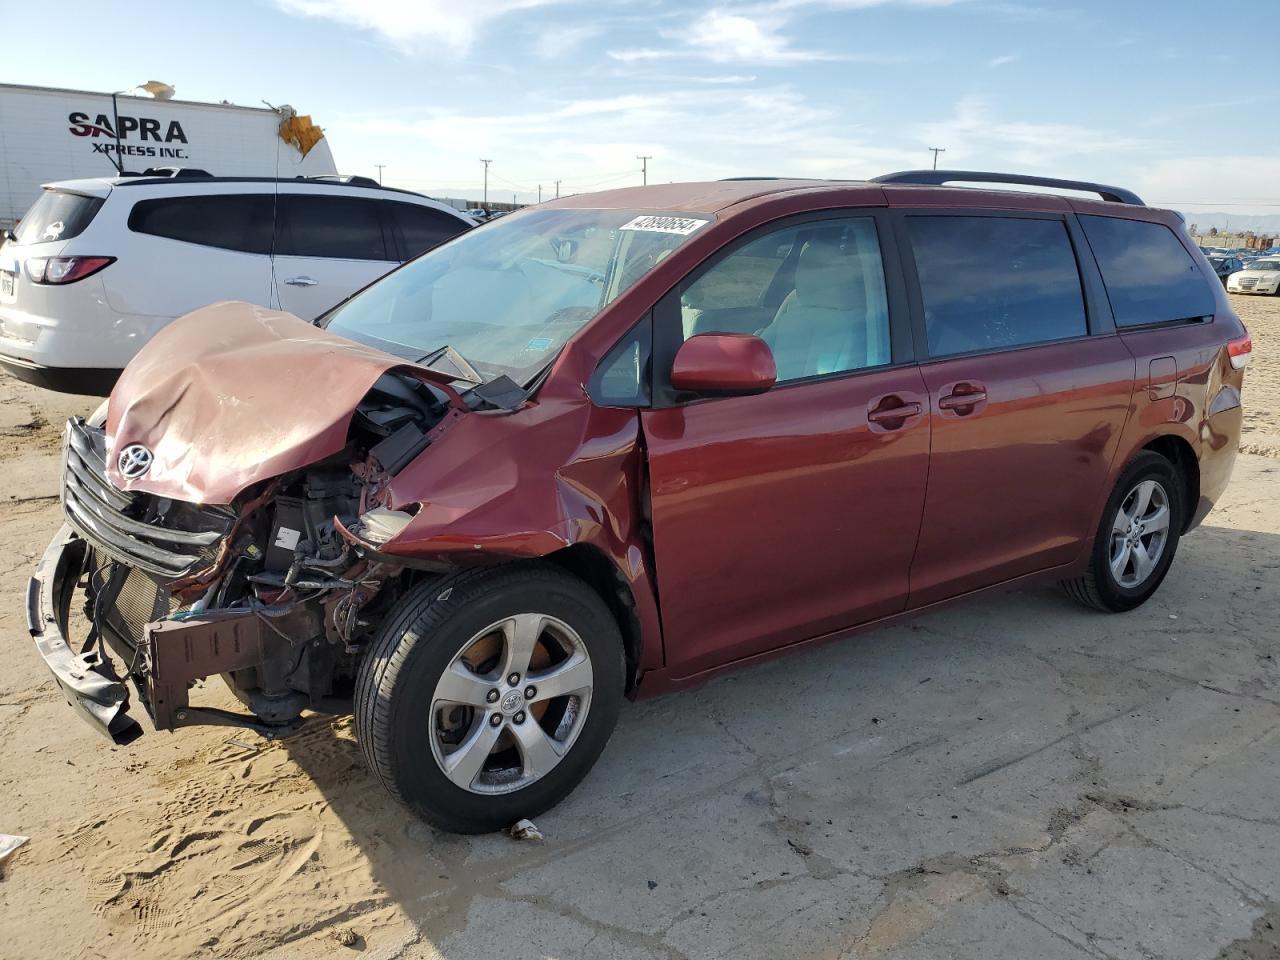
(351, 180)
(177, 173)
(939, 177)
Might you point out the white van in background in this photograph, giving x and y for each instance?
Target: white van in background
(98, 266)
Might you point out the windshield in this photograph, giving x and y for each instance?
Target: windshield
(57, 216)
(509, 295)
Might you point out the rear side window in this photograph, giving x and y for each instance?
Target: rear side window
(422, 228)
(1150, 277)
(239, 222)
(57, 215)
(994, 282)
(336, 228)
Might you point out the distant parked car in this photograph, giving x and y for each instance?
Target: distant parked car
(97, 267)
(1225, 266)
(1261, 276)
(478, 213)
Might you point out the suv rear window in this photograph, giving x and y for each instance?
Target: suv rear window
(995, 282)
(336, 228)
(422, 228)
(57, 215)
(1149, 274)
(228, 221)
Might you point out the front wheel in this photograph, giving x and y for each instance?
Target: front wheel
(488, 696)
(1136, 539)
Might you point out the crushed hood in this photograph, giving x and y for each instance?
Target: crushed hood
(233, 394)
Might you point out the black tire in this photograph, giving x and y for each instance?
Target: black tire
(1098, 587)
(421, 636)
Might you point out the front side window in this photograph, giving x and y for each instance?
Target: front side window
(1149, 275)
(57, 215)
(814, 292)
(422, 228)
(1265, 265)
(990, 283)
(509, 296)
(332, 227)
(239, 222)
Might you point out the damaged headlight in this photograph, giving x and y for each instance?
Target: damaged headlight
(380, 524)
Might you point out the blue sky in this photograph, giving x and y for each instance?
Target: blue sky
(1174, 99)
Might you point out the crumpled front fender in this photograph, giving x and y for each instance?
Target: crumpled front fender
(527, 484)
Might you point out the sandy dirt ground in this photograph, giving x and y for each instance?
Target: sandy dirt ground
(1017, 777)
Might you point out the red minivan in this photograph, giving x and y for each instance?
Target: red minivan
(612, 444)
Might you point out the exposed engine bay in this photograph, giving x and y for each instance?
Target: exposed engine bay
(277, 591)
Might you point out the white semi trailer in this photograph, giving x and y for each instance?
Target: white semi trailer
(50, 134)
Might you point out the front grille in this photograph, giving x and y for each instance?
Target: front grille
(1247, 283)
(163, 537)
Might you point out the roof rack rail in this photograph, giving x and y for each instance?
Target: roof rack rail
(939, 177)
(350, 179)
(176, 173)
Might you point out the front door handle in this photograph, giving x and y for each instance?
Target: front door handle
(301, 282)
(892, 413)
(963, 398)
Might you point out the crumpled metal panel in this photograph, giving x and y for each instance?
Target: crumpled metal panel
(233, 394)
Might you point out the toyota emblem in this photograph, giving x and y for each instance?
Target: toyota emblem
(134, 461)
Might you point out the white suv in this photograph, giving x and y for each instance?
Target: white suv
(97, 267)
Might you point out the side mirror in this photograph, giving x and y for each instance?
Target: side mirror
(724, 364)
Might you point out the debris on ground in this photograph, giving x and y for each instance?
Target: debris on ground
(526, 830)
(8, 844)
(346, 936)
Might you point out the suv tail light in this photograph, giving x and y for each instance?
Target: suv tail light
(59, 270)
(1239, 351)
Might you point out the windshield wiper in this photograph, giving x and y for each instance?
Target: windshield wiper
(451, 363)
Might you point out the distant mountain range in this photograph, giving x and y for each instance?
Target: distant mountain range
(1236, 222)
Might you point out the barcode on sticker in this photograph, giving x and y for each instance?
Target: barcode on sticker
(660, 224)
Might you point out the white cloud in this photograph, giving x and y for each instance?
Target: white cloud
(976, 136)
(555, 42)
(415, 24)
(1002, 61)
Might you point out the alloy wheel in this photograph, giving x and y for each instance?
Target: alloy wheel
(511, 703)
(1139, 533)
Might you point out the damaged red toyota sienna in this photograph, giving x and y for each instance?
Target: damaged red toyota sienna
(613, 444)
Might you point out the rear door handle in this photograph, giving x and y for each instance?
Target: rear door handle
(970, 396)
(301, 282)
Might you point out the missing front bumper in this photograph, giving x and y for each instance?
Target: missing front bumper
(173, 655)
(87, 680)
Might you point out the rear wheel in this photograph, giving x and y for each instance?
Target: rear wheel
(488, 696)
(1136, 539)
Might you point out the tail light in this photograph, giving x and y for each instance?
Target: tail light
(60, 270)
(1239, 350)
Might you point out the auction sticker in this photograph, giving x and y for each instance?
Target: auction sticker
(657, 223)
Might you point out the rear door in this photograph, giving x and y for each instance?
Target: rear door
(793, 513)
(1027, 406)
(327, 247)
(185, 252)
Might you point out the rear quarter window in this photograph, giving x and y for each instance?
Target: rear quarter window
(1149, 275)
(240, 222)
(57, 215)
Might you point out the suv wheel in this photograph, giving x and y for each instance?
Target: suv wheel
(1136, 539)
(489, 695)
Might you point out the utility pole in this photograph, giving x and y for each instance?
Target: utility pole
(379, 166)
(539, 193)
(557, 189)
(485, 202)
(644, 168)
(936, 151)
